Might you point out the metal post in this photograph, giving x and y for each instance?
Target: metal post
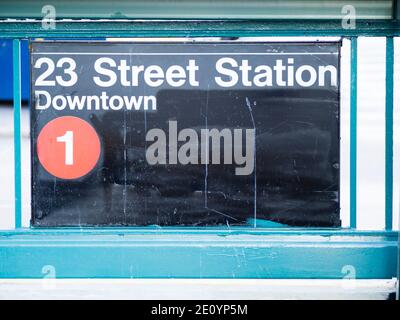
(353, 134)
(17, 129)
(389, 134)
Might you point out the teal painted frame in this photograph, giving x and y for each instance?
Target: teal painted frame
(353, 134)
(389, 134)
(218, 9)
(182, 253)
(17, 130)
(196, 28)
(190, 252)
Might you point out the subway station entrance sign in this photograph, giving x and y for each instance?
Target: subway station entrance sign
(185, 133)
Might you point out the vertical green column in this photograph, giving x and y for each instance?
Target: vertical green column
(389, 134)
(17, 129)
(353, 134)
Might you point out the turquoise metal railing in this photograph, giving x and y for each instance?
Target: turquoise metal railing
(389, 134)
(151, 252)
(353, 134)
(199, 9)
(17, 130)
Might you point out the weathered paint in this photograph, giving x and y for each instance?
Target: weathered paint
(93, 29)
(389, 134)
(17, 130)
(353, 135)
(217, 9)
(194, 253)
(219, 254)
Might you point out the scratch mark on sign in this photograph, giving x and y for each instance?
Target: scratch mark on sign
(254, 159)
(207, 155)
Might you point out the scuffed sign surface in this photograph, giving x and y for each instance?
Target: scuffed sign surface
(268, 112)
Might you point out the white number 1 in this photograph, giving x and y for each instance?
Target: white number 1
(68, 138)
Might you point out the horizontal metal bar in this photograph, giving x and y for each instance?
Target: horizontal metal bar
(217, 9)
(220, 231)
(157, 255)
(101, 29)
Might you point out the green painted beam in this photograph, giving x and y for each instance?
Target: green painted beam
(197, 9)
(17, 130)
(220, 254)
(102, 29)
(221, 231)
(389, 133)
(353, 133)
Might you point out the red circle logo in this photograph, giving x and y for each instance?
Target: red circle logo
(68, 147)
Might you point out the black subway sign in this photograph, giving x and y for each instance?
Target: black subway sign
(185, 133)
